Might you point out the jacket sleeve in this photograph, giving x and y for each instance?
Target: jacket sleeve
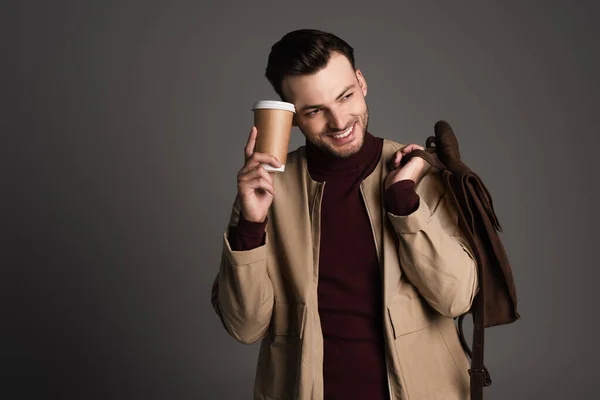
(435, 257)
(242, 292)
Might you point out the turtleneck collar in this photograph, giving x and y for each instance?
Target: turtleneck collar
(322, 164)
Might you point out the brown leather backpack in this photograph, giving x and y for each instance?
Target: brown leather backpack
(496, 302)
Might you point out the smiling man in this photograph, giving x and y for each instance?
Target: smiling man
(332, 111)
(349, 266)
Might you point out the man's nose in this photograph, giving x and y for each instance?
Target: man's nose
(335, 121)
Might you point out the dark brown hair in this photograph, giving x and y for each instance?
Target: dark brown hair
(303, 52)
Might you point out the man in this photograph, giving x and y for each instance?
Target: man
(349, 266)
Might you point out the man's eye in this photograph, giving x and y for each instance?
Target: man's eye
(346, 97)
(313, 112)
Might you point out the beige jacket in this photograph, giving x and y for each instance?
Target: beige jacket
(429, 277)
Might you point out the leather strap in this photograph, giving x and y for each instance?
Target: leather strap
(479, 374)
(429, 155)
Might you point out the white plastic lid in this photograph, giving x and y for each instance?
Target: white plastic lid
(272, 104)
(270, 168)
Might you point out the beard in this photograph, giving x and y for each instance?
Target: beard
(351, 148)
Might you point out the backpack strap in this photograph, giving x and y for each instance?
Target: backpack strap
(429, 155)
(479, 374)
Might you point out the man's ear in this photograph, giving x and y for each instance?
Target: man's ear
(362, 82)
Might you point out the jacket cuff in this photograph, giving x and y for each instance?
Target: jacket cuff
(412, 223)
(401, 198)
(239, 258)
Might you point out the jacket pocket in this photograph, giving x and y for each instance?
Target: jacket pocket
(281, 368)
(426, 362)
(409, 315)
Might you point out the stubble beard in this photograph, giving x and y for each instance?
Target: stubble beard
(357, 143)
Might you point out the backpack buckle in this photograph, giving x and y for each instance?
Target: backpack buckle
(487, 381)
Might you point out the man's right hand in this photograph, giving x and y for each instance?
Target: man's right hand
(255, 184)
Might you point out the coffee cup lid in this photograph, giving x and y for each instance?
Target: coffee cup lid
(272, 104)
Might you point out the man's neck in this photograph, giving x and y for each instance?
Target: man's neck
(322, 163)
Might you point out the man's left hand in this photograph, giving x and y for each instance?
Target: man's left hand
(414, 170)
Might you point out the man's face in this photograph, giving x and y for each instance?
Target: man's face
(331, 110)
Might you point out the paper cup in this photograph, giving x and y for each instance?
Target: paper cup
(273, 121)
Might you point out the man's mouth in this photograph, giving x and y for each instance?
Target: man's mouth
(344, 134)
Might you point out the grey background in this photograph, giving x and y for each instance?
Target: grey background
(123, 126)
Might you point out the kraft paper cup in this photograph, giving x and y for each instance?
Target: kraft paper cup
(273, 121)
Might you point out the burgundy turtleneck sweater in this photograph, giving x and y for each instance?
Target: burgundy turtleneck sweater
(350, 289)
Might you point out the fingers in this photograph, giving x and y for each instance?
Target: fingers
(397, 158)
(257, 178)
(258, 172)
(259, 158)
(260, 183)
(249, 149)
(404, 151)
(253, 159)
(410, 148)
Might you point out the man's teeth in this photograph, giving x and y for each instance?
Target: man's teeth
(344, 134)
